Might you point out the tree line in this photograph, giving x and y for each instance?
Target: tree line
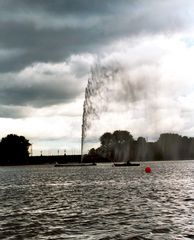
(121, 146)
(117, 146)
(14, 150)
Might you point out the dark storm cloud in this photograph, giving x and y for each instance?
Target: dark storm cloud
(37, 95)
(57, 6)
(11, 112)
(50, 31)
(37, 89)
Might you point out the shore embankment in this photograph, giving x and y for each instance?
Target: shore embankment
(62, 159)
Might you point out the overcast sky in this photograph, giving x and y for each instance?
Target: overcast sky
(47, 49)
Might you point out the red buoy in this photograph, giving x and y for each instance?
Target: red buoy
(148, 170)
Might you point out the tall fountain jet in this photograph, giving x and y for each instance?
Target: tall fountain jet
(96, 97)
(88, 109)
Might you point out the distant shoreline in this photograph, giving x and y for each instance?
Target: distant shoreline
(61, 159)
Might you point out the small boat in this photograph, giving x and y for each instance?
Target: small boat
(125, 164)
(75, 164)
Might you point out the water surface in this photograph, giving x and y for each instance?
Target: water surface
(98, 202)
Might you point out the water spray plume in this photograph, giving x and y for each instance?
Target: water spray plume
(120, 86)
(94, 93)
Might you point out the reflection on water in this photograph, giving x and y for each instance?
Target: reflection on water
(100, 202)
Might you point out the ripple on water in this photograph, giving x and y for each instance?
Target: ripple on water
(97, 203)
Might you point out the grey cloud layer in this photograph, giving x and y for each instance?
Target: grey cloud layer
(38, 93)
(42, 31)
(50, 31)
(43, 62)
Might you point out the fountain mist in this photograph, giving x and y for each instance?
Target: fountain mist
(95, 97)
(120, 86)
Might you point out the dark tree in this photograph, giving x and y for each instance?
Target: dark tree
(141, 149)
(120, 146)
(92, 152)
(120, 137)
(106, 139)
(14, 150)
(170, 145)
(116, 146)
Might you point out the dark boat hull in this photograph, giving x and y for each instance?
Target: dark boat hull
(126, 164)
(75, 164)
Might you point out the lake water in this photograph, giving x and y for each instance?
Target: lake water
(98, 202)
